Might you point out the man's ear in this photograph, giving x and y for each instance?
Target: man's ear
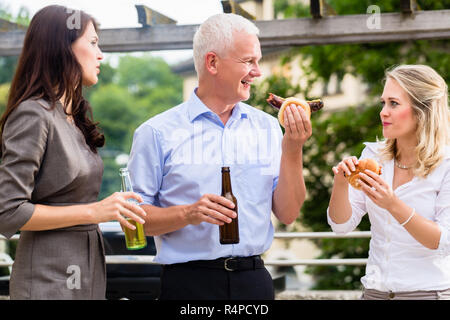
(211, 62)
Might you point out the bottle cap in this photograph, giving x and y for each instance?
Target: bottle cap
(225, 169)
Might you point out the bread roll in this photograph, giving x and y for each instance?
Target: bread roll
(362, 165)
(291, 100)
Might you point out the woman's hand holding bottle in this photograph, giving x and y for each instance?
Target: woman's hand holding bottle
(117, 207)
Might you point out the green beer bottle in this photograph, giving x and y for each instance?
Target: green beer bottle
(229, 232)
(134, 239)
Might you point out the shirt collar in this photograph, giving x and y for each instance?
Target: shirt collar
(197, 108)
(239, 112)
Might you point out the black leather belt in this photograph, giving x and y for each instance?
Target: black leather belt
(228, 263)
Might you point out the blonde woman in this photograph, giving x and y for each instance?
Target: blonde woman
(409, 203)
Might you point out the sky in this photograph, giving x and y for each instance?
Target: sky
(123, 14)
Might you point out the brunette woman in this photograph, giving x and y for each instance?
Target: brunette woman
(50, 169)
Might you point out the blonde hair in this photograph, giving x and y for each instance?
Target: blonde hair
(216, 34)
(428, 94)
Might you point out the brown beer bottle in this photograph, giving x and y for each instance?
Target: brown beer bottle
(229, 232)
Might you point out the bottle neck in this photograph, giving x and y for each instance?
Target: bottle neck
(126, 182)
(226, 182)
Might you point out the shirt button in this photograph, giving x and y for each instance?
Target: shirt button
(391, 295)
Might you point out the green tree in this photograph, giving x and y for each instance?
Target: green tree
(126, 96)
(114, 107)
(22, 17)
(141, 75)
(342, 133)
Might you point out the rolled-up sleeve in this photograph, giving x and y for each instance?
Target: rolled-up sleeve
(443, 213)
(146, 163)
(24, 141)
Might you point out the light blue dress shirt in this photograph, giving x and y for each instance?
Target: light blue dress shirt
(177, 157)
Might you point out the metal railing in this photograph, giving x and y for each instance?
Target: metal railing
(148, 259)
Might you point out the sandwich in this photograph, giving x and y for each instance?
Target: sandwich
(281, 104)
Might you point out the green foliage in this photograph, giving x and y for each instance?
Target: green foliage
(7, 68)
(369, 60)
(22, 17)
(114, 107)
(298, 9)
(288, 9)
(126, 96)
(143, 74)
(336, 135)
(107, 74)
(4, 88)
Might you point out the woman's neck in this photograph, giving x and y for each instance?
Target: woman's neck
(406, 151)
(68, 107)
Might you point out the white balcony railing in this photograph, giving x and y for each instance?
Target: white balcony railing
(148, 259)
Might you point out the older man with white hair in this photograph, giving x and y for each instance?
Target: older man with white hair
(176, 161)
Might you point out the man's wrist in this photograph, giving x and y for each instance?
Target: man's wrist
(184, 214)
(293, 157)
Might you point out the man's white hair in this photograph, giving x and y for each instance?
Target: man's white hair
(216, 34)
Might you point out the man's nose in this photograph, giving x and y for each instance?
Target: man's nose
(256, 70)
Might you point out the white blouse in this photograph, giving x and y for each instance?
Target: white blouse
(398, 262)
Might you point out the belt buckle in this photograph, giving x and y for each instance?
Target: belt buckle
(225, 264)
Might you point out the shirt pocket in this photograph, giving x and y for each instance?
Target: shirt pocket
(257, 182)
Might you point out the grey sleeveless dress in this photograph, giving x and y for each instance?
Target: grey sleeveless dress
(45, 160)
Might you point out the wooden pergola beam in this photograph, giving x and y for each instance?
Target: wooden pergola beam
(232, 6)
(6, 25)
(275, 33)
(149, 17)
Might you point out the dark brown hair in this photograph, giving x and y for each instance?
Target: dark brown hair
(48, 68)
